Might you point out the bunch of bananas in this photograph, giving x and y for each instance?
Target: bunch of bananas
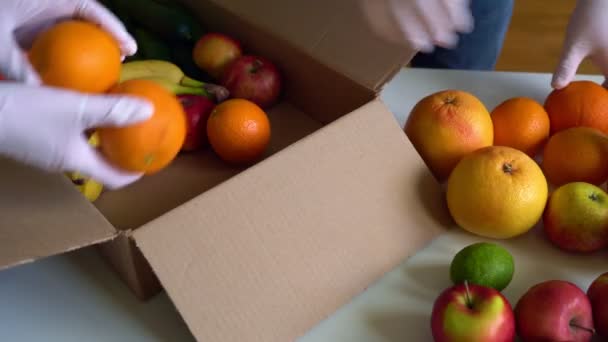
(171, 77)
(90, 188)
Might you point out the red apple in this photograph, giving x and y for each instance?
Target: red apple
(576, 218)
(253, 78)
(470, 312)
(554, 310)
(197, 110)
(598, 295)
(214, 52)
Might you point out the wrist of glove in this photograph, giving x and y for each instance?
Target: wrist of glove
(45, 127)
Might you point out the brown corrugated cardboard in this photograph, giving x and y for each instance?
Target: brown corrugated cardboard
(261, 252)
(280, 246)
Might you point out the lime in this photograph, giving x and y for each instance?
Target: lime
(483, 263)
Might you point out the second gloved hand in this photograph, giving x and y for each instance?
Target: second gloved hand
(420, 24)
(45, 128)
(585, 37)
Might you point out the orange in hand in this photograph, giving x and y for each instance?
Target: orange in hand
(151, 145)
(521, 123)
(238, 131)
(577, 154)
(76, 55)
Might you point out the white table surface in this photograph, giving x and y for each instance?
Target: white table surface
(75, 297)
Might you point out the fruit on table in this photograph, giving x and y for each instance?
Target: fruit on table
(576, 217)
(238, 131)
(170, 21)
(581, 103)
(554, 310)
(497, 192)
(148, 146)
(576, 154)
(521, 123)
(197, 110)
(470, 313)
(89, 187)
(253, 78)
(598, 295)
(214, 52)
(483, 263)
(77, 55)
(445, 126)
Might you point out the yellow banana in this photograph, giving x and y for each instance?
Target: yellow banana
(90, 188)
(156, 69)
(176, 88)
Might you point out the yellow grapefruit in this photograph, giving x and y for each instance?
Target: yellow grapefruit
(497, 192)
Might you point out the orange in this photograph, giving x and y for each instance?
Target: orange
(238, 131)
(76, 55)
(447, 125)
(497, 192)
(521, 123)
(576, 154)
(151, 145)
(581, 103)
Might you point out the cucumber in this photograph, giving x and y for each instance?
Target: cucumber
(181, 55)
(170, 22)
(150, 46)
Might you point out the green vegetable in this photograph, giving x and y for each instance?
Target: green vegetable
(150, 46)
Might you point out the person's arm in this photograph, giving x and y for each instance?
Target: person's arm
(586, 36)
(419, 24)
(43, 126)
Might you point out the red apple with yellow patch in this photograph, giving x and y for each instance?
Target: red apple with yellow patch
(598, 295)
(470, 312)
(214, 52)
(576, 218)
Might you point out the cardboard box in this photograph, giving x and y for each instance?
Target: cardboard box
(262, 253)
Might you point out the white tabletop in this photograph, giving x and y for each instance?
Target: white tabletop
(75, 297)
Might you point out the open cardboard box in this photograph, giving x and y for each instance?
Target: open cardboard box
(260, 253)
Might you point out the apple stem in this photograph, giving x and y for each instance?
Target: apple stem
(589, 330)
(257, 64)
(468, 295)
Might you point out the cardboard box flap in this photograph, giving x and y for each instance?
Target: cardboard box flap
(43, 214)
(272, 251)
(335, 33)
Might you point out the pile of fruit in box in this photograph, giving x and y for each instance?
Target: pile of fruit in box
(207, 90)
(522, 165)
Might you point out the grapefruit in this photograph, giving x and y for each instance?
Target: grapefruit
(447, 125)
(497, 192)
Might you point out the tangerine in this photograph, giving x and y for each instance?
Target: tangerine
(238, 130)
(577, 154)
(77, 55)
(151, 145)
(581, 103)
(521, 123)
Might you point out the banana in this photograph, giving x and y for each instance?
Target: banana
(90, 188)
(157, 69)
(176, 88)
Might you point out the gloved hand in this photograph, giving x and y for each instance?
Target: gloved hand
(585, 37)
(420, 24)
(45, 127)
(22, 20)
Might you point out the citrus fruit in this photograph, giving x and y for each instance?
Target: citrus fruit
(497, 192)
(76, 55)
(521, 123)
(483, 263)
(445, 126)
(151, 145)
(576, 154)
(238, 130)
(581, 103)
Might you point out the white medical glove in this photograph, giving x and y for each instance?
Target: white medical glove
(22, 20)
(45, 127)
(586, 36)
(420, 24)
